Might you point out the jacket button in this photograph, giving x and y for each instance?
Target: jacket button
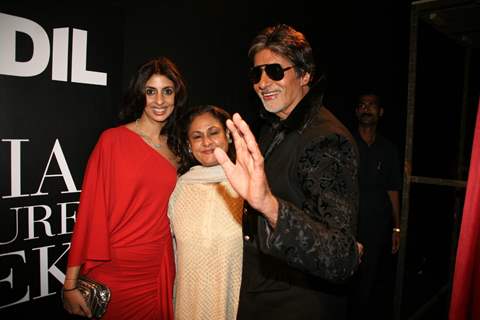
(246, 238)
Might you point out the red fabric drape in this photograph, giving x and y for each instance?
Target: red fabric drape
(465, 301)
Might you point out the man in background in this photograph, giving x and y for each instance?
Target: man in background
(379, 212)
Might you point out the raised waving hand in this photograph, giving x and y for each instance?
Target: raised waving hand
(247, 174)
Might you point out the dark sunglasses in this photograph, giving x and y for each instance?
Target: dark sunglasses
(274, 71)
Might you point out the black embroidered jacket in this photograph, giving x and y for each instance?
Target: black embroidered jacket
(311, 164)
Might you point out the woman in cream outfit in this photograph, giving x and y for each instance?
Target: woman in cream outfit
(205, 214)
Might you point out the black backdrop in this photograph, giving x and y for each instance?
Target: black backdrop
(358, 45)
(48, 127)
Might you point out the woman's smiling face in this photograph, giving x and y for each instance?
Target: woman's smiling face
(204, 135)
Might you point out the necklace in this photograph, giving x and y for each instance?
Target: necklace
(147, 138)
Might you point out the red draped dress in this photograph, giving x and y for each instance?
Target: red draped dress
(122, 234)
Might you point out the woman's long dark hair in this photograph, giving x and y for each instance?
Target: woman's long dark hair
(187, 160)
(134, 99)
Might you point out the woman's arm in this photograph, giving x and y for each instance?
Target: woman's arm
(73, 300)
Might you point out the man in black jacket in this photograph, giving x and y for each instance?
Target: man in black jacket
(301, 186)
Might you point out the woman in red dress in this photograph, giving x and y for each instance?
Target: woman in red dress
(122, 235)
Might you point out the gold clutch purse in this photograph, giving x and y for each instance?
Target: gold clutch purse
(96, 295)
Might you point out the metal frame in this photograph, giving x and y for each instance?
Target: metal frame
(418, 8)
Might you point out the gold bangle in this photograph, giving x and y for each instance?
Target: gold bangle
(396, 230)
